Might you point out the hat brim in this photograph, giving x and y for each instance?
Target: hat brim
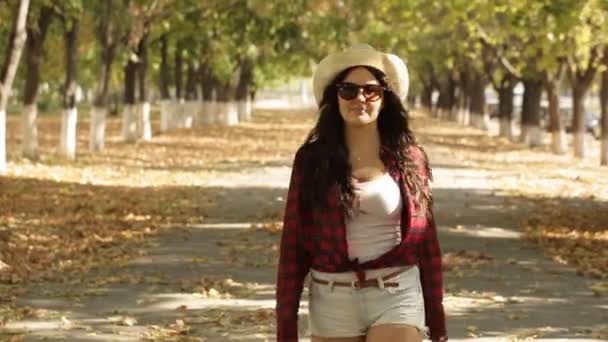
(332, 65)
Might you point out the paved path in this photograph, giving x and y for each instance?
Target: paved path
(214, 282)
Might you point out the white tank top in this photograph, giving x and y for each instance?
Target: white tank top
(375, 226)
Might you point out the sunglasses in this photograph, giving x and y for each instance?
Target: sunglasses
(349, 91)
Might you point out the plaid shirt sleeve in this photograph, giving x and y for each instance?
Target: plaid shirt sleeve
(294, 262)
(431, 267)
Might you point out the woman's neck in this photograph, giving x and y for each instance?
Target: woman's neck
(362, 140)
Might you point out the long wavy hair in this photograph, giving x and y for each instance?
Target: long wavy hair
(327, 167)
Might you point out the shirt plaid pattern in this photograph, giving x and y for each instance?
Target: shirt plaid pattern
(317, 239)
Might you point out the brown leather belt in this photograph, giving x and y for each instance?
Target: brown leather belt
(366, 283)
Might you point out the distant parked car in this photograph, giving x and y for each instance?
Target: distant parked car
(592, 124)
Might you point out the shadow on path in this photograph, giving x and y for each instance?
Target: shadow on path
(217, 278)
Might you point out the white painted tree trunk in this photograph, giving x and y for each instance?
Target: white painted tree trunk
(129, 124)
(242, 110)
(215, 111)
(29, 145)
(97, 131)
(249, 109)
(454, 114)
(165, 115)
(3, 167)
(464, 116)
(220, 113)
(475, 120)
(441, 113)
(200, 119)
(208, 113)
(67, 143)
(144, 124)
(535, 134)
(524, 136)
(304, 94)
(558, 142)
(190, 113)
(603, 151)
(227, 114)
(480, 121)
(173, 114)
(178, 114)
(505, 128)
(579, 145)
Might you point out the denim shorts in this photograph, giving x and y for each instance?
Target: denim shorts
(340, 311)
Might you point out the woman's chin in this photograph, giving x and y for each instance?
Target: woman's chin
(360, 120)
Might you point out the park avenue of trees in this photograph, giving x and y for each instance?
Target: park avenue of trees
(202, 61)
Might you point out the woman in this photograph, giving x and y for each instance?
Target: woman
(358, 216)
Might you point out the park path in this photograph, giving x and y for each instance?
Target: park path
(214, 281)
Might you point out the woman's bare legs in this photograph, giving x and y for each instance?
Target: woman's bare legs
(337, 339)
(393, 332)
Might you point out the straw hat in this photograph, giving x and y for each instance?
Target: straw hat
(361, 54)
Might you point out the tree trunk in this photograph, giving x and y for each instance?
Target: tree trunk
(531, 133)
(67, 146)
(144, 126)
(579, 91)
(604, 107)
(505, 106)
(451, 97)
(16, 40)
(578, 120)
(107, 36)
(165, 96)
(580, 79)
(178, 111)
(242, 90)
(459, 103)
(179, 65)
(445, 101)
(479, 115)
(463, 115)
(100, 105)
(441, 100)
(36, 36)
(426, 98)
(191, 107)
(208, 85)
(129, 122)
(227, 113)
(164, 68)
(558, 135)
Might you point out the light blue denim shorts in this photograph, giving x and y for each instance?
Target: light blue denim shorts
(340, 311)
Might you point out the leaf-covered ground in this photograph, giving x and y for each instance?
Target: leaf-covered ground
(60, 219)
(570, 195)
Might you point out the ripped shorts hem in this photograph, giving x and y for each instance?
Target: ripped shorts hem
(424, 331)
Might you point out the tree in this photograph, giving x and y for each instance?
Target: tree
(578, 26)
(37, 28)
(16, 40)
(109, 28)
(604, 109)
(70, 15)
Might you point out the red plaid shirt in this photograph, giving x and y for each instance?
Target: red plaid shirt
(317, 239)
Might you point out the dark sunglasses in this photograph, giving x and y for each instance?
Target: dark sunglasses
(349, 91)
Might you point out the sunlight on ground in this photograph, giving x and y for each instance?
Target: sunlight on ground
(487, 232)
(60, 219)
